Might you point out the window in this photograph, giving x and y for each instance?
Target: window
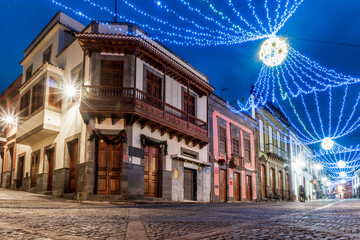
(37, 99)
(261, 126)
(247, 149)
(189, 104)
(112, 73)
(25, 104)
(54, 94)
(222, 140)
(47, 55)
(236, 147)
(28, 73)
(153, 85)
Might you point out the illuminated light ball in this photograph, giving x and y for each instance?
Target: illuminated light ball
(158, 3)
(343, 181)
(341, 164)
(342, 174)
(328, 184)
(273, 51)
(70, 91)
(327, 144)
(324, 179)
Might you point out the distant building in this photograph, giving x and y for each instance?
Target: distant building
(233, 153)
(274, 176)
(356, 184)
(8, 145)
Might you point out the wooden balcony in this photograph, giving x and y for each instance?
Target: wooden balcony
(135, 105)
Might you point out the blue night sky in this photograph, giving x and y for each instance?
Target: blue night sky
(235, 67)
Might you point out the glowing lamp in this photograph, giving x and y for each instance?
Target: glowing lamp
(9, 119)
(273, 51)
(342, 174)
(70, 90)
(341, 164)
(324, 179)
(158, 3)
(328, 184)
(319, 166)
(343, 181)
(327, 144)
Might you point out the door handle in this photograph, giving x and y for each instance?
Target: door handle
(110, 173)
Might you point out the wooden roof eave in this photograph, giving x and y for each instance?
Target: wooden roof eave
(155, 58)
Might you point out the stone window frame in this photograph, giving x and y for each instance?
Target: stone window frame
(189, 153)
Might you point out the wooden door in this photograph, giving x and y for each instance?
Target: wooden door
(237, 186)
(73, 158)
(263, 181)
(287, 180)
(272, 180)
(109, 168)
(223, 184)
(151, 172)
(248, 188)
(281, 186)
(188, 184)
(20, 172)
(34, 169)
(51, 156)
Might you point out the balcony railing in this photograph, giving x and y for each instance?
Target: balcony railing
(101, 98)
(276, 151)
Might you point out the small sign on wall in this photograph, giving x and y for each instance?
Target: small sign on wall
(136, 152)
(176, 174)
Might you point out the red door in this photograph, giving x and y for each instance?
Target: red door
(151, 172)
(248, 188)
(237, 186)
(223, 184)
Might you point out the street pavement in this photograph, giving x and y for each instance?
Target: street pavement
(31, 216)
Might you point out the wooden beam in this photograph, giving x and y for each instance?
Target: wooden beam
(145, 123)
(100, 119)
(165, 131)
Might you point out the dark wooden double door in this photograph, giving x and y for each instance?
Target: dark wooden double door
(151, 172)
(35, 159)
(109, 169)
(51, 159)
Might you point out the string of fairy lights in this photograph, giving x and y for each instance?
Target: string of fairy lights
(289, 80)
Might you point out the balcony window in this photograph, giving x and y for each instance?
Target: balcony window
(54, 94)
(189, 104)
(236, 147)
(222, 140)
(25, 104)
(153, 85)
(112, 73)
(37, 100)
(28, 73)
(247, 149)
(47, 55)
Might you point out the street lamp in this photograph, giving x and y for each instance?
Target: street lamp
(70, 90)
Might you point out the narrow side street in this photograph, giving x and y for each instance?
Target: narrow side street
(30, 216)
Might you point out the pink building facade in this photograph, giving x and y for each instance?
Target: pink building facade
(233, 154)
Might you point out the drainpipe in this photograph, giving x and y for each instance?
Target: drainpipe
(227, 179)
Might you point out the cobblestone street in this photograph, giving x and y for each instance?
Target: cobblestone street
(29, 216)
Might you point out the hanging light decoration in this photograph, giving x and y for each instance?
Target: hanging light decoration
(341, 164)
(327, 144)
(273, 51)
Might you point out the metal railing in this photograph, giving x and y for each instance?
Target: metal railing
(275, 150)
